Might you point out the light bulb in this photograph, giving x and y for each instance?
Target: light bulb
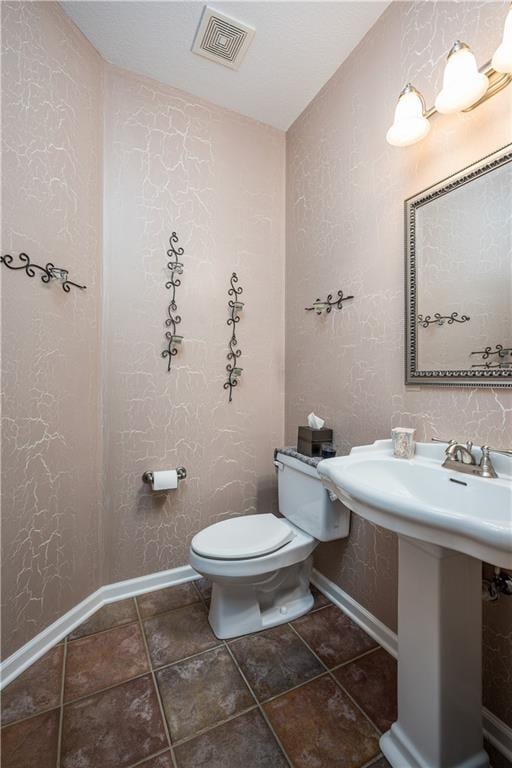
(410, 124)
(463, 84)
(502, 59)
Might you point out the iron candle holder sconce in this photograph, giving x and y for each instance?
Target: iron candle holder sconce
(499, 362)
(49, 271)
(439, 319)
(235, 306)
(174, 340)
(330, 302)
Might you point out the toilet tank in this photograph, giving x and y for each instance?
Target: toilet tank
(305, 502)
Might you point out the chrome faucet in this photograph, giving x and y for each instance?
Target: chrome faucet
(460, 458)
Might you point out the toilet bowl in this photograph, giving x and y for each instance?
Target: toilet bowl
(260, 565)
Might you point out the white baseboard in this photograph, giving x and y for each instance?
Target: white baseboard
(29, 653)
(495, 730)
(498, 733)
(366, 620)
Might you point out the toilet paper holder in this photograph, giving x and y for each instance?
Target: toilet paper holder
(147, 477)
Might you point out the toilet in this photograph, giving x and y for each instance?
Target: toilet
(260, 565)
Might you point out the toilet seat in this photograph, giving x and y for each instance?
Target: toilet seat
(242, 538)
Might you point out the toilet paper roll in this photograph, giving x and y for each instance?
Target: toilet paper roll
(165, 480)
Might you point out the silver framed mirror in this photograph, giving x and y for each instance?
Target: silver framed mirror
(458, 278)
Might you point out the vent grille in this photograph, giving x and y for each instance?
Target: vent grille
(222, 39)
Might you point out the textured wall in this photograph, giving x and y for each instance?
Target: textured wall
(173, 162)
(345, 193)
(51, 121)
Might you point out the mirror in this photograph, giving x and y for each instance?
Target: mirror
(459, 278)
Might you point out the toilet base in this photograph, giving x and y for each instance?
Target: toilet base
(251, 605)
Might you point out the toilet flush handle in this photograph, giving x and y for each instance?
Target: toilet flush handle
(278, 465)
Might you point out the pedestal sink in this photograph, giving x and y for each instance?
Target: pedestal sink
(447, 523)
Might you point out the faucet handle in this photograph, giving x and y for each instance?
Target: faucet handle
(486, 467)
(485, 449)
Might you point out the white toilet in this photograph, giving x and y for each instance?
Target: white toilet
(260, 565)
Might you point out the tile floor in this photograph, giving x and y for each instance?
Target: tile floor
(145, 682)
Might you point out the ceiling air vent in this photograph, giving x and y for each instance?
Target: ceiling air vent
(222, 39)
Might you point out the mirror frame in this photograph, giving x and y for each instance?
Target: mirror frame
(492, 377)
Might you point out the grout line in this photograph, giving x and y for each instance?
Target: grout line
(107, 688)
(167, 610)
(260, 708)
(157, 690)
(337, 682)
(356, 658)
(186, 658)
(34, 714)
(201, 596)
(373, 761)
(152, 757)
(61, 704)
(294, 688)
(209, 728)
(101, 631)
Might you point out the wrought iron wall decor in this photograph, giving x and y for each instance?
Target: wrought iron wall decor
(326, 306)
(174, 340)
(235, 306)
(439, 319)
(502, 353)
(49, 271)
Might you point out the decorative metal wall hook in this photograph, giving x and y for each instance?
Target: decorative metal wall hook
(236, 306)
(50, 271)
(173, 320)
(326, 306)
(439, 319)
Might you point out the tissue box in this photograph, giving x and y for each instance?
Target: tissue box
(309, 441)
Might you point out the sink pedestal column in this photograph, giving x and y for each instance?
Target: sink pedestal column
(439, 661)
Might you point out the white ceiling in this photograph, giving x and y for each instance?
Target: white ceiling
(296, 48)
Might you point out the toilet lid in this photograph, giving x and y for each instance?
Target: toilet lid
(241, 537)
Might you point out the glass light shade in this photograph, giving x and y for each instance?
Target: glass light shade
(502, 59)
(463, 84)
(410, 125)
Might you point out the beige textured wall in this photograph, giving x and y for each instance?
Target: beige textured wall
(51, 459)
(173, 162)
(345, 193)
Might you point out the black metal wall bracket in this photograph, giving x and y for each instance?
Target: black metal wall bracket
(326, 306)
(235, 306)
(174, 340)
(49, 271)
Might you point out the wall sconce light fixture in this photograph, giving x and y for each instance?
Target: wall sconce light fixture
(465, 87)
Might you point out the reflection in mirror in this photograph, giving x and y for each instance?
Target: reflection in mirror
(459, 277)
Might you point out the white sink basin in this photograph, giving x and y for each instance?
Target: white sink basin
(421, 499)
(446, 522)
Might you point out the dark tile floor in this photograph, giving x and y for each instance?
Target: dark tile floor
(144, 682)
